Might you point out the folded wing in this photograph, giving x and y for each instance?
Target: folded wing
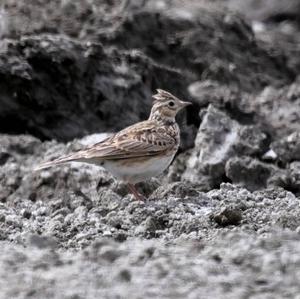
(142, 139)
(139, 140)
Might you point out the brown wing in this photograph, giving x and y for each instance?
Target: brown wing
(142, 139)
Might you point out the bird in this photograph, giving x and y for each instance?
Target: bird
(140, 151)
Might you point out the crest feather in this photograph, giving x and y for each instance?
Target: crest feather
(162, 95)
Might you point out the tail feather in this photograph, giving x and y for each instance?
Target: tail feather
(58, 161)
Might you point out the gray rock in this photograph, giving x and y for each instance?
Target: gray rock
(277, 110)
(232, 262)
(220, 138)
(69, 68)
(183, 31)
(227, 216)
(266, 10)
(177, 189)
(249, 173)
(294, 175)
(57, 72)
(213, 146)
(287, 149)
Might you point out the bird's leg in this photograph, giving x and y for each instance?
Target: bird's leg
(136, 194)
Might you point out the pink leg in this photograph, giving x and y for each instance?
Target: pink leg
(135, 192)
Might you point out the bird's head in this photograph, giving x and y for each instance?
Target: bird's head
(166, 106)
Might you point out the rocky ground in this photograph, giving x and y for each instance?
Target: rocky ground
(223, 221)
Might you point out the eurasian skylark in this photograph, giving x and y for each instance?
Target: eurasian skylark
(140, 151)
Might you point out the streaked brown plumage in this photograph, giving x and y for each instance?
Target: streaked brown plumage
(140, 151)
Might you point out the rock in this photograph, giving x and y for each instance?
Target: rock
(270, 155)
(249, 173)
(53, 74)
(227, 216)
(76, 19)
(287, 149)
(213, 146)
(264, 206)
(277, 110)
(177, 167)
(125, 275)
(212, 47)
(271, 111)
(4, 156)
(229, 202)
(294, 176)
(220, 138)
(266, 10)
(13, 221)
(252, 141)
(287, 178)
(152, 227)
(227, 260)
(177, 189)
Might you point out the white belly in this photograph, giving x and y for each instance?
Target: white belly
(138, 171)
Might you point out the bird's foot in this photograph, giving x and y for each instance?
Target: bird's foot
(136, 194)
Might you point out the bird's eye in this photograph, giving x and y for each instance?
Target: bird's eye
(171, 104)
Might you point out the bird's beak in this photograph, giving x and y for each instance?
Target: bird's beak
(184, 104)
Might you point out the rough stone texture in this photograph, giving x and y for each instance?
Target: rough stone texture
(244, 133)
(288, 148)
(78, 203)
(251, 265)
(278, 109)
(204, 40)
(273, 110)
(73, 18)
(222, 221)
(275, 24)
(77, 85)
(230, 240)
(219, 138)
(269, 10)
(76, 88)
(248, 172)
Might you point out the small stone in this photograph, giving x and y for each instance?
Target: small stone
(228, 216)
(26, 213)
(4, 156)
(107, 233)
(125, 275)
